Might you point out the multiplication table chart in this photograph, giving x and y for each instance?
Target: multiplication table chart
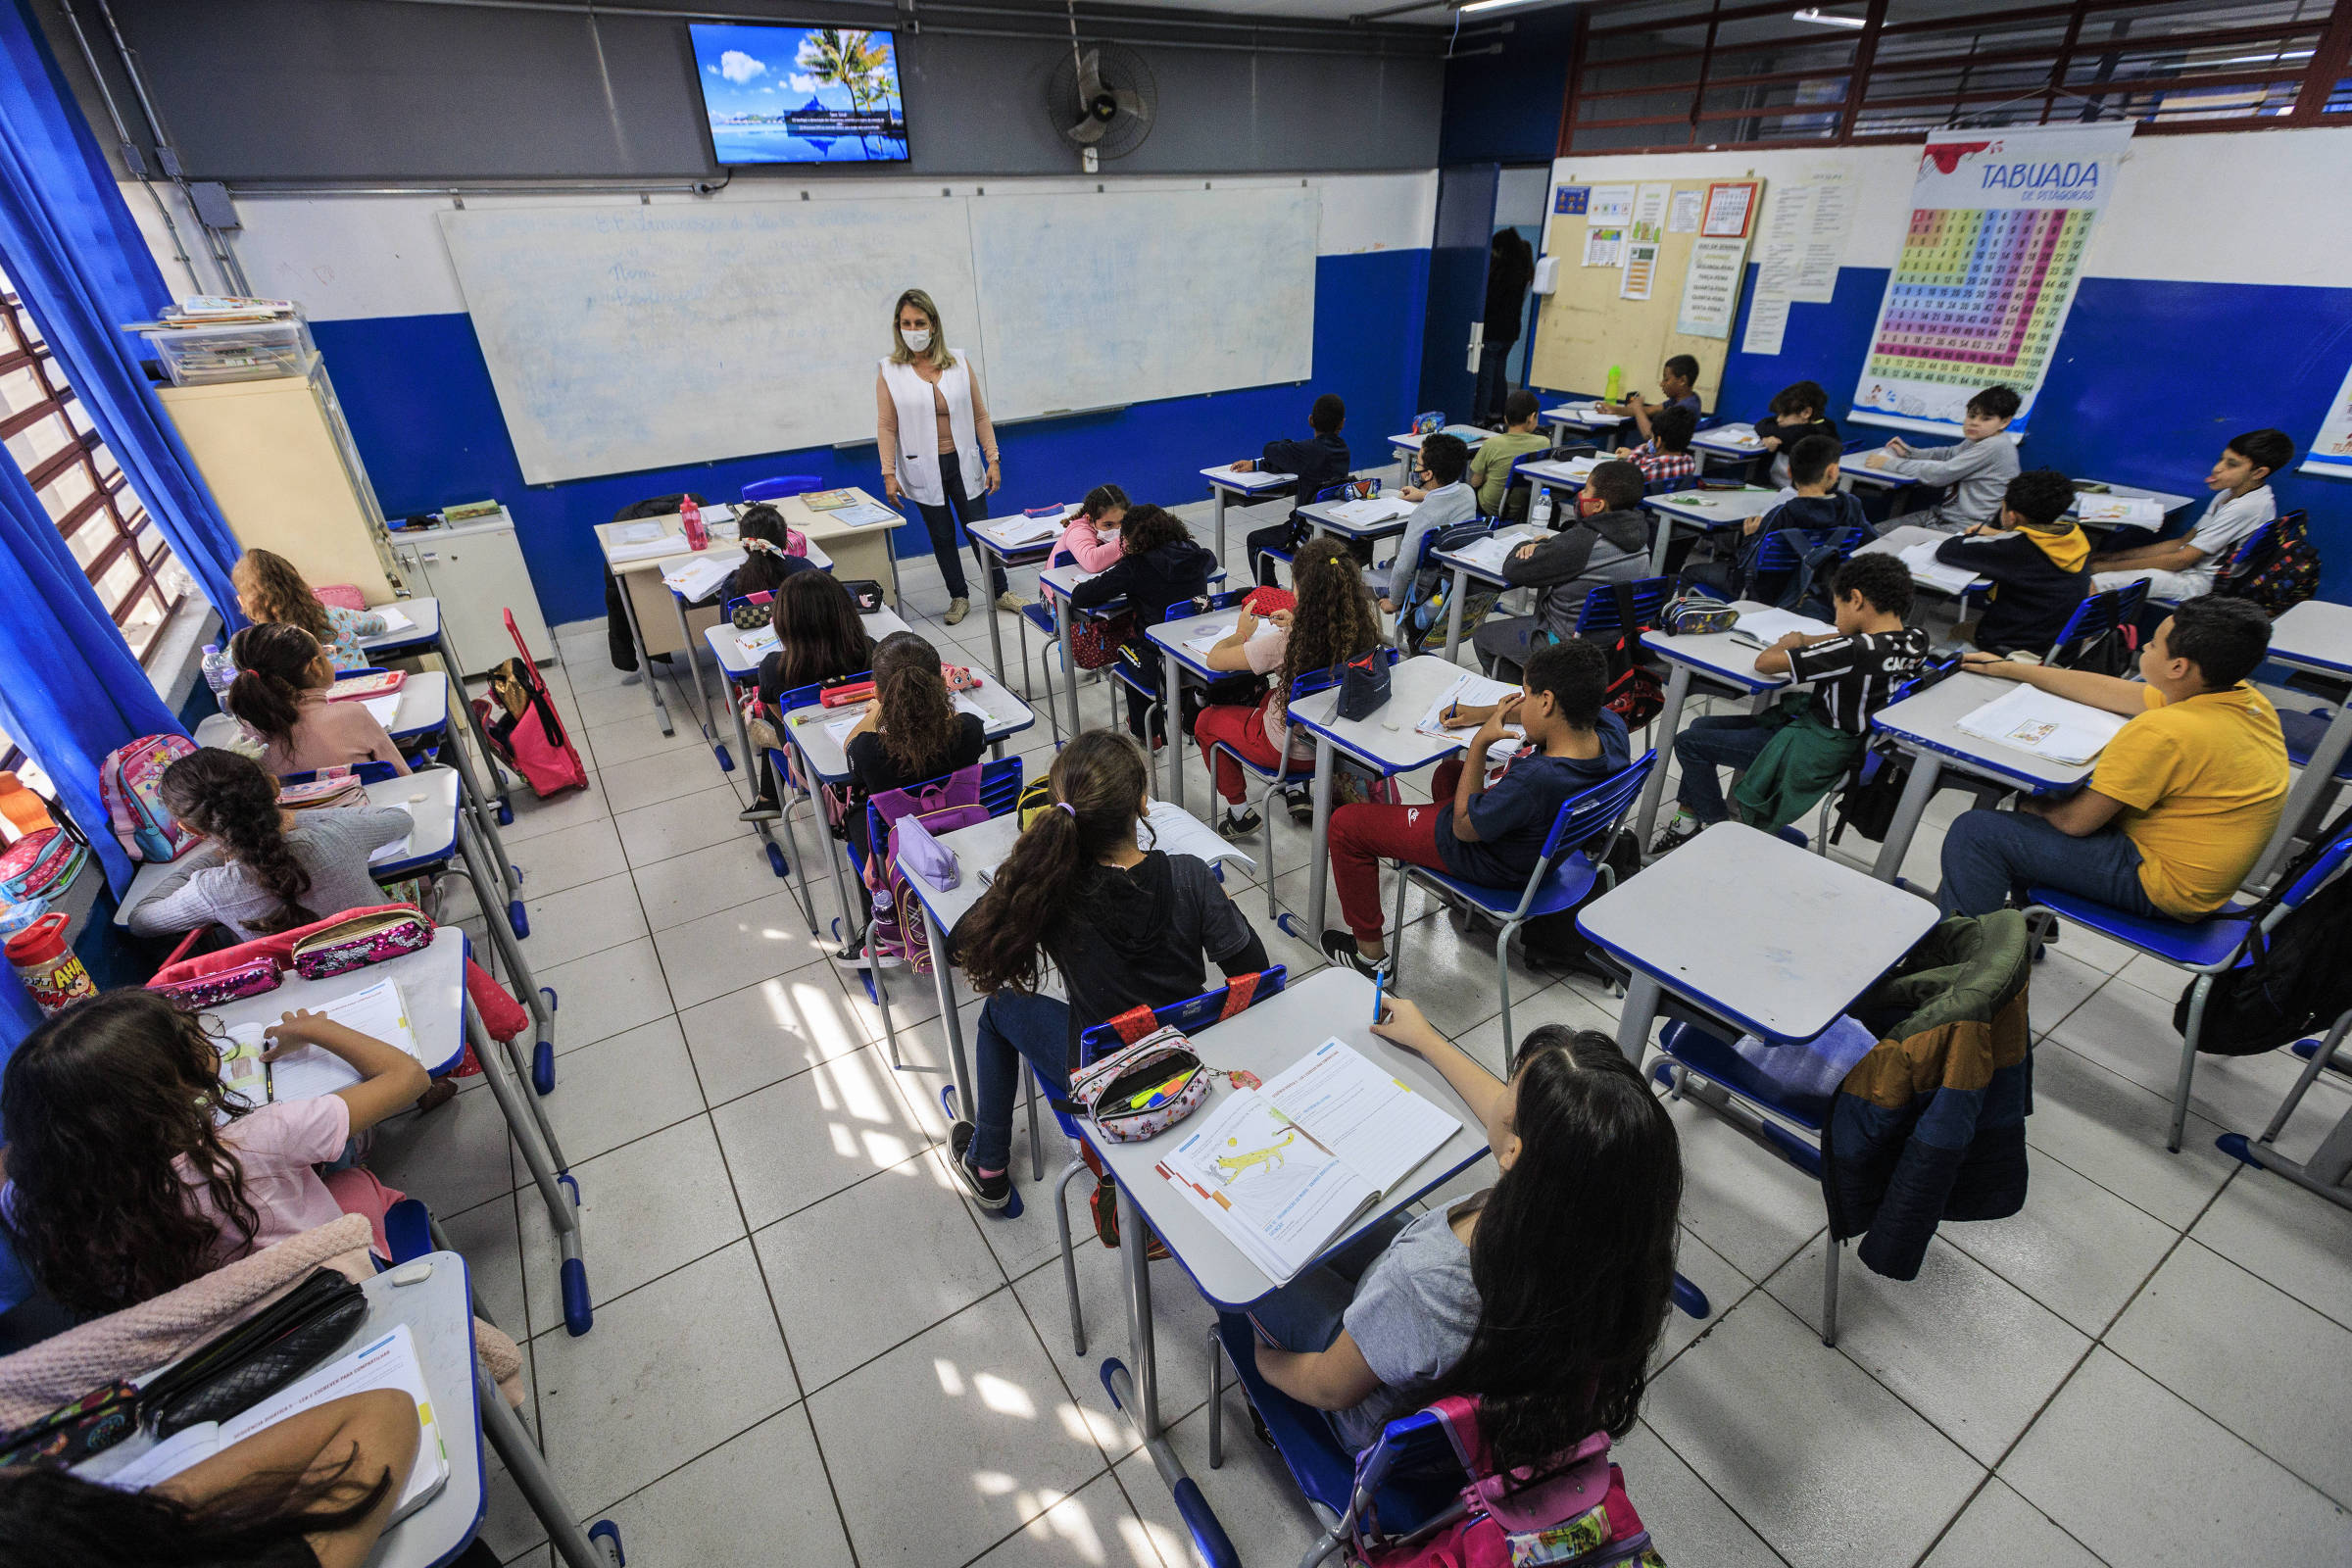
(1978, 296)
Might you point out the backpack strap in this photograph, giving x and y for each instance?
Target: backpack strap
(1239, 992)
(1622, 592)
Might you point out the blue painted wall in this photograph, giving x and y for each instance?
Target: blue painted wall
(2151, 378)
(1505, 108)
(419, 397)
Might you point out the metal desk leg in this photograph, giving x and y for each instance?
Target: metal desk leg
(1454, 611)
(518, 973)
(485, 821)
(645, 660)
(1635, 1016)
(1320, 853)
(1659, 546)
(943, 980)
(473, 720)
(1217, 493)
(792, 842)
(1918, 790)
(1062, 616)
(511, 1442)
(2315, 781)
(694, 667)
(546, 1168)
(1171, 712)
(1137, 1392)
(995, 633)
(1678, 690)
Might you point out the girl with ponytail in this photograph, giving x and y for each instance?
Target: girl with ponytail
(280, 695)
(1126, 926)
(261, 869)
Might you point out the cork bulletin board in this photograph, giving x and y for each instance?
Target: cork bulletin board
(1590, 323)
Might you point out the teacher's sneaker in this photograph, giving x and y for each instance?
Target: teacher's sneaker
(957, 609)
(1011, 602)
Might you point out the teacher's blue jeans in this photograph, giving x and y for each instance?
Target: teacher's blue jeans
(1013, 1028)
(1989, 854)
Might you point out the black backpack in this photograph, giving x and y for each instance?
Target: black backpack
(2294, 980)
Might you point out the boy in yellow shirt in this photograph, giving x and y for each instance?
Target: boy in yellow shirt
(2183, 799)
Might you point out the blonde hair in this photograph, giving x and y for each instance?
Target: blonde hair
(938, 355)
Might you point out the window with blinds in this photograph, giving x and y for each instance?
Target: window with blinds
(1663, 75)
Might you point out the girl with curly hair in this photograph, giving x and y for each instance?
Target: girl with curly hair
(270, 590)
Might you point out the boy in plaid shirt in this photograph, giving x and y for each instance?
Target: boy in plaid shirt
(1666, 455)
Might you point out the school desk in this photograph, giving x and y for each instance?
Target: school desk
(427, 633)
(1387, 743)
(2315, 635)
(1894, 541)
(1255, 485)
(1701, 511)
(423, 710)
(1324, 517)
(715, 603)
(1178, 662)
(741, 669)
(1716, 655)
(1266, 1040)
(432, 985)
(824, 761)
(1567, 475)
(1405, 448)
(432, 841)
(1581, 416)
(1788, 938)
(990, 551)
(1057, 583)
(2166, 499)
(855, 551)
(1925, 727)
(1467, 571)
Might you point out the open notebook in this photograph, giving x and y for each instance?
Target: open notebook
(389, 1362)
(1284, 1170)
(2048, 726)
(376, 1012)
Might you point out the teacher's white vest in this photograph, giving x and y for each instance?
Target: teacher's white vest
(918, 429)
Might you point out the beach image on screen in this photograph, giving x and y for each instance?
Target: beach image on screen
(800, 95)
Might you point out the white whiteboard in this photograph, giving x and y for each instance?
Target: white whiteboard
(645, 337)
(1090, 300)
(653, 336)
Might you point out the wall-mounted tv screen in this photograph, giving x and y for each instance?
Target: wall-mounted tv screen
(800, 95)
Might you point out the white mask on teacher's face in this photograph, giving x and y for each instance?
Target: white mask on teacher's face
(915, 342)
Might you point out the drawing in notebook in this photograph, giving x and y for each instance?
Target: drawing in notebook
(2143, 511)
(1283, 1170)
(698, 577)
(1761, 629)
(389, 1362)
(752, 643)
(2046, 725)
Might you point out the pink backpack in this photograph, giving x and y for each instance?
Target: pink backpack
(942, 807)
(529, 735)
(1578, 1514)
(127, 781)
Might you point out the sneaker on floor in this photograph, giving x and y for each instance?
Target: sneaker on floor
(760, 810)
(1011, 602)
(1339, 947)
(1302, 803)
(852, 955)
(1677, 833)
(957, 609)
(989, 1191)
(436, 1094)
(1241, 824)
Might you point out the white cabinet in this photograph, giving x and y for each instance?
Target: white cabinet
(476, 570)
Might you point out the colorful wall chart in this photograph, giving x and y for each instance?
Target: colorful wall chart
(1999, 224)
(2331, 449)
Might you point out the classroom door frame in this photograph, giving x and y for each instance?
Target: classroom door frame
(1457, 285)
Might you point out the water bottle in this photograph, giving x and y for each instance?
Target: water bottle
(1539, 511)
(690, 517)
(1614, 392)
(220, 670)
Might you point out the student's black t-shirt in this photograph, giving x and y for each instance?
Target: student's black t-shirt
(872, 769)
(1143, 936)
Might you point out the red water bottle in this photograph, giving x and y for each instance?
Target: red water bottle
(690, 517)
(47, 966)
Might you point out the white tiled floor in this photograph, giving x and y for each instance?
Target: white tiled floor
(809, 1350)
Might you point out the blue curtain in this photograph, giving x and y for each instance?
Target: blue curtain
(69, 691)
(82, 268)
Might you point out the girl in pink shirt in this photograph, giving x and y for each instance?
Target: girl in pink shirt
(283, 677)
(1092, 537)
(134, 1170)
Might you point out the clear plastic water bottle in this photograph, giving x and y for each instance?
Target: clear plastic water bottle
(220, 670)
(1539, 511)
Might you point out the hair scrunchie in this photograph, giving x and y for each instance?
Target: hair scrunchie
(1064, 805)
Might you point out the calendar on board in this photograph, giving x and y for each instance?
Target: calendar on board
(2000, 223)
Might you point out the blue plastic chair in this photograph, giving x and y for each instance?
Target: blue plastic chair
(782, 485)
(1776, 554)
(1574, 863)
(2093, 622)
(2204, 948)
(1599, 615)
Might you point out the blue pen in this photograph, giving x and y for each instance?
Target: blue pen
(1378, 983)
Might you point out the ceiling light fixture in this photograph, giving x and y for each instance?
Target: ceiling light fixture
(1493, 4)
(1819, 18)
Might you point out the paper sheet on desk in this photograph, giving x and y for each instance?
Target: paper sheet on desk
(1477, 691)
(2144, 510)
(752, 643)
(1582, 413)
(394, 620)
(1363, 513)
(1233, 476)
(698, 575)
(382, 709)
(1925, 567)
(1171, 829)
(1738, 436)
(638, 533)
(1761, 629)
(1369, 1118)
(1014, 533)
(864, 514)
(398, 849)
(658, 545)
(1488, 554)
(376, 1012)
(2048, 726)
(839, 728)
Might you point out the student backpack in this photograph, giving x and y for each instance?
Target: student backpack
(529, 736)
(2283, 573)
(941, 807)
(1633, 693)
(2293, 980)
(128, 778)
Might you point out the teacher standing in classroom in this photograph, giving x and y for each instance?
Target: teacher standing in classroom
(937, 446)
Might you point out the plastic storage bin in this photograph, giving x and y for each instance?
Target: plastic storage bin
(236, 351)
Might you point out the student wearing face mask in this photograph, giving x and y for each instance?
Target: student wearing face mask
(938, 448)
